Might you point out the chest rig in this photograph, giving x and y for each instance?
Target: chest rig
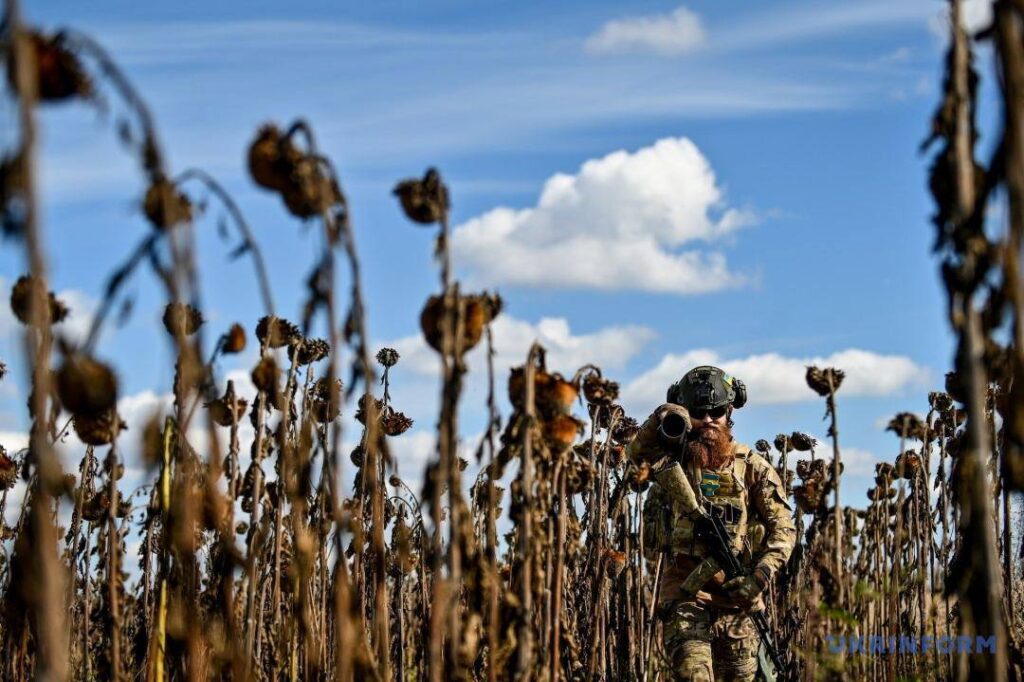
(727, 491)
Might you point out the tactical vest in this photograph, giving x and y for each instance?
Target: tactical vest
(666, 527)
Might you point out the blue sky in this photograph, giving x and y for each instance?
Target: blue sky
(649, 185)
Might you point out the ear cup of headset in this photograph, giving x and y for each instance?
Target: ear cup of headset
(741, 393)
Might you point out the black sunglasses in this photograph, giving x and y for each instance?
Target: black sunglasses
(715, 412)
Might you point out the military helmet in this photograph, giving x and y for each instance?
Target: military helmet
(706, 388)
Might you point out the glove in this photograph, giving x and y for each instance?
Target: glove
(745, 589)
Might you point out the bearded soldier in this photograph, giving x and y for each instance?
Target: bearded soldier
(708, 630)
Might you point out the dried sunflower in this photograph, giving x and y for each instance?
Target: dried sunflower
(809, 496)
(22, 293)
(86, 386)
(308, 351)
(59, 74)
(395, 423)
(271, 158)
(424, 201)
(907, 425)
(388, 357)
(8, 470)
(312, 190)
(955, 387)
(220, 410)
(233, 341)
(782, 443)
(638, 477)
(811, 469)
(476, 311)
(181, 318)
(802, 442)
(265, 377)
(362, 407)
(625, 430)
(824, 381)
(940, 401)
(561, 431)
(276, 332)
(598, 390)
(164, 206)
(910, 463)
(553, 394)
(325, 406)
(99, 429)
(96, 506)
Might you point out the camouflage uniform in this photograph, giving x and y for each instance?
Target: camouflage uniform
(710, 627)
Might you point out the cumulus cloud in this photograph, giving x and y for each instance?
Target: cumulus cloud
(856, 461)
(618, 223)
(975, 15)
(608, 347)
(678, 32)
(772, 378)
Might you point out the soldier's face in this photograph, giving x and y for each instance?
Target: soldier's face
(710, 419)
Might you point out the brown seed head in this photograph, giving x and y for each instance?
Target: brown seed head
(28, 289)
(270, 158)
(234, 340)
(802, 442)
(625, 430)
(598, 390)
(265, 378)
(824, 381)
(220, 410)
(388, 357)
(165, 206)
(424, 201)
(311, 350)
(100, 429)
(907, 425)
(475, 310)
(276, 332)
(59, 73)
(181, 318)
(86, 386)
(395, 423)
(311, 191)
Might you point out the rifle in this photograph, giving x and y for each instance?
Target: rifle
(711, 529)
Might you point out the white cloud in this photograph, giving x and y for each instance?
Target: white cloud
(608, 347)
(617, 223)
(975, 15)
(675, 33)
(772, 378)
(856, 461)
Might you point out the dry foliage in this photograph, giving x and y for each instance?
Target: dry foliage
(304, 575)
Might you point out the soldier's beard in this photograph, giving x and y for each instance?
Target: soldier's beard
(710, 446)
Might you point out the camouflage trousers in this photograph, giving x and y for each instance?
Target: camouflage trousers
(705, 643)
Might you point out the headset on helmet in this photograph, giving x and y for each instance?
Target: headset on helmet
(707, 387)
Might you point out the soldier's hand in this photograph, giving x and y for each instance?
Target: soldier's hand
(745, 589)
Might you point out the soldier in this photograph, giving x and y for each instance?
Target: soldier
(708, 632)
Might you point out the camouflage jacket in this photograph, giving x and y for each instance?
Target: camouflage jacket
(759, 518)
